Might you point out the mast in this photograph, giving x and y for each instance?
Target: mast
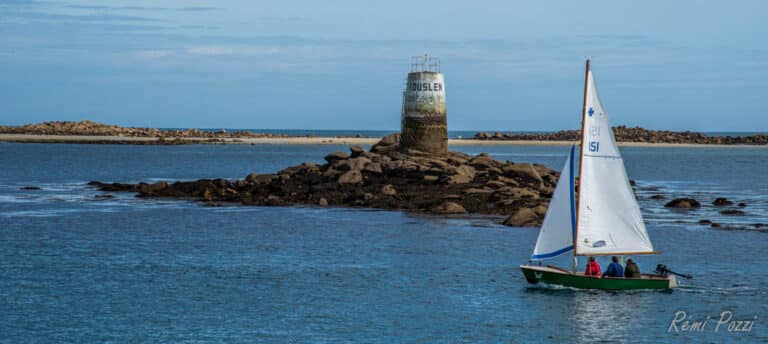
(581, 158)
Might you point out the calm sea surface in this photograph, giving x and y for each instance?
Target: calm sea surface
(77, 269)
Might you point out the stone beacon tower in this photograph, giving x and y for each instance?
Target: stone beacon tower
(424, 125)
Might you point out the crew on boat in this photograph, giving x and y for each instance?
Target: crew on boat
(614, 269)
(593, 268)
(631, 271)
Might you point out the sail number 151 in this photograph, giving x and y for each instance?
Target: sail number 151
(594, 146)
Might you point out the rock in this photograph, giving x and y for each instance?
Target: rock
(388, 190)
(523, 217)
(482, 161)
(464, 174)
(683, 203)
(387, 144)
(478, 191)
(350, 177)
(495, 184)
(721, 201)
(322, 202)
(540, 210)
(273, 200)
(358, 164)
(715, 225)
(30, 188)
(732, 212)
(517, 193)
(356, 151)
(103, 197)
(742, 205)
(659, 197)
(449, 208)
(705, 222)
(430, 178)
(373, 167)
(159, 186)
(524, 170)
(336, 156)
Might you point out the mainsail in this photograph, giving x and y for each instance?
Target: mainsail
(556, 234)
(609, 219)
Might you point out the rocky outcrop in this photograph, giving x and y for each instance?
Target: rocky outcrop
(683, 203)
(88, 128)
(384, 178)
(523, 217)
(636, 134)
(721, 201)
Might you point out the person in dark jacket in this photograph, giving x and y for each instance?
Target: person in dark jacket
(593, 268)
(631, 271)
(614, 269)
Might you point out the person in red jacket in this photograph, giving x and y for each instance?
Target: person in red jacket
(593, 268)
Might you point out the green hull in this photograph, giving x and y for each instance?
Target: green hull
(557, 276)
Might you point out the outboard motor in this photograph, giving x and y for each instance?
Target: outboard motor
(662, 270)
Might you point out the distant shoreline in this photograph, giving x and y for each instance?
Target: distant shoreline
(87, 132)
(101, 139)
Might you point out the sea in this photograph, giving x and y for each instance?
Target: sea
(78, 268)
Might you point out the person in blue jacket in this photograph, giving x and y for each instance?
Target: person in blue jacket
(614, 269)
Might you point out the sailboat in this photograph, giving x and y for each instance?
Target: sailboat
(603, 220)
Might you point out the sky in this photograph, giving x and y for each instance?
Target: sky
(509, 65)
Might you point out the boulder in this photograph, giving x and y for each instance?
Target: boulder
(540, 210)
(721, 201)
(430, 178)
(683, 203)
(732, 212)
(659, 197)
(387, 144)
(523, 217)
(351, 177)
(516, 193)
(742, 205)
(388, 190)
(464, 174)
(523, 170)
(353, 164)
(30, 188)
(356, 151)
(336, 156)
(482, 161)
(373, 167)
(322, 202)
(449, 208)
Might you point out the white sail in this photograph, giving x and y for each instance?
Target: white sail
(556, 234)
(609, 220)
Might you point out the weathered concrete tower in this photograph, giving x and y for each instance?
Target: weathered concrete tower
(424, 124)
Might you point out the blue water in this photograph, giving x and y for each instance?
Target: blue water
(76, 269)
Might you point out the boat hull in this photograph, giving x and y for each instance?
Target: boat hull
(557, 276)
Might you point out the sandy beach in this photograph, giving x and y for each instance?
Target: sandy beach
(28, 138)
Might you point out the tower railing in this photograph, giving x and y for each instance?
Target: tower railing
(425, 63)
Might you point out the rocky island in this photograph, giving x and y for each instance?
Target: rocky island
(636, 134)
(385, 177)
